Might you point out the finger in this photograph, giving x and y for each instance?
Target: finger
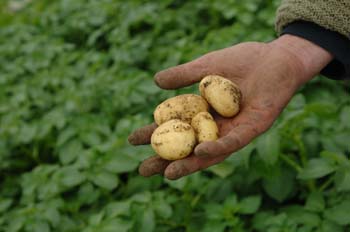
(246, 127)
(153, 165)
(226, 145)
(142, 135)
(184, 167)
(183, 75)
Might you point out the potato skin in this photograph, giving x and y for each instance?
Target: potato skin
(183, 107)
(173, 140)
(205, 127)
(222, 94)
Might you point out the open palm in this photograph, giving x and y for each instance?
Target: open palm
(268, 76)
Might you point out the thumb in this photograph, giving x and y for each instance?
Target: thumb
(223, 146)
(248, 125)
(236, 139)
(184, 74)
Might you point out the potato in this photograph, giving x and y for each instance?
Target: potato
(222, 94)
(205, 127)
(183, 107)
(173, 140)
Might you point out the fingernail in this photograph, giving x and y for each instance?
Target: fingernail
(142, 171)
(156, 79)
(200, 151)
(171, 175)
(131, 139)
(148, 170)
(175, 172)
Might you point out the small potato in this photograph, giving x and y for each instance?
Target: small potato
(205, 127)
(222, 94)
(183, 107)
(173, 140)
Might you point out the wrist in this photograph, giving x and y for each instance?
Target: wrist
(308, 58)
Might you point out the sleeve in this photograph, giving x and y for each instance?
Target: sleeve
(323, 22)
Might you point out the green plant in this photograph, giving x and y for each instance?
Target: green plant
(76, 79)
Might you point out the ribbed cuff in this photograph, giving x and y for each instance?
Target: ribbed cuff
(337, 44)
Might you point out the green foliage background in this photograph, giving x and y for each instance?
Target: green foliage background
(76, 79)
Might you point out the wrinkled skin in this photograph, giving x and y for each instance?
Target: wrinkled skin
(268, 75)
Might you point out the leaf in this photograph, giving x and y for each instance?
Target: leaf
(339, 213)
(323, 109)
(148, 223)
(96, 218)
(231, 201)
(65, 135)
(242, 157)
(335, 157)
(222, 169)
(163, 209)
(280, 186)
(315, 202)
(214, 225)
(299, 215)
(316, 168)
(115, 209)
(27, 133)
(90, 138)
(249, 205)
(341, 139)
(345, 117)
(16, 224)
(120, 163)
(116, 224)
(87, 193)
(106, 180)
(41, 226)
(178, 184)
(261, 219)
(268, 146)
(56, 117)
(143, 197)
(297, 102)
(272, 220)
(53, 216)
(70, 151)
(5, 204)
(328, 226)
(148, 87)
(214, 211)
(71, 177)
(342, 180)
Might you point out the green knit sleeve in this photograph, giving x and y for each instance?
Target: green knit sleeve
(331, 14)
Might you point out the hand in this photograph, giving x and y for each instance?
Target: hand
(268, 75)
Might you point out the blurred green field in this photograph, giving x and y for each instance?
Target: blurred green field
(76, 77)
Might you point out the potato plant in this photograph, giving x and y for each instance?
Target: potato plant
(76, 77)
